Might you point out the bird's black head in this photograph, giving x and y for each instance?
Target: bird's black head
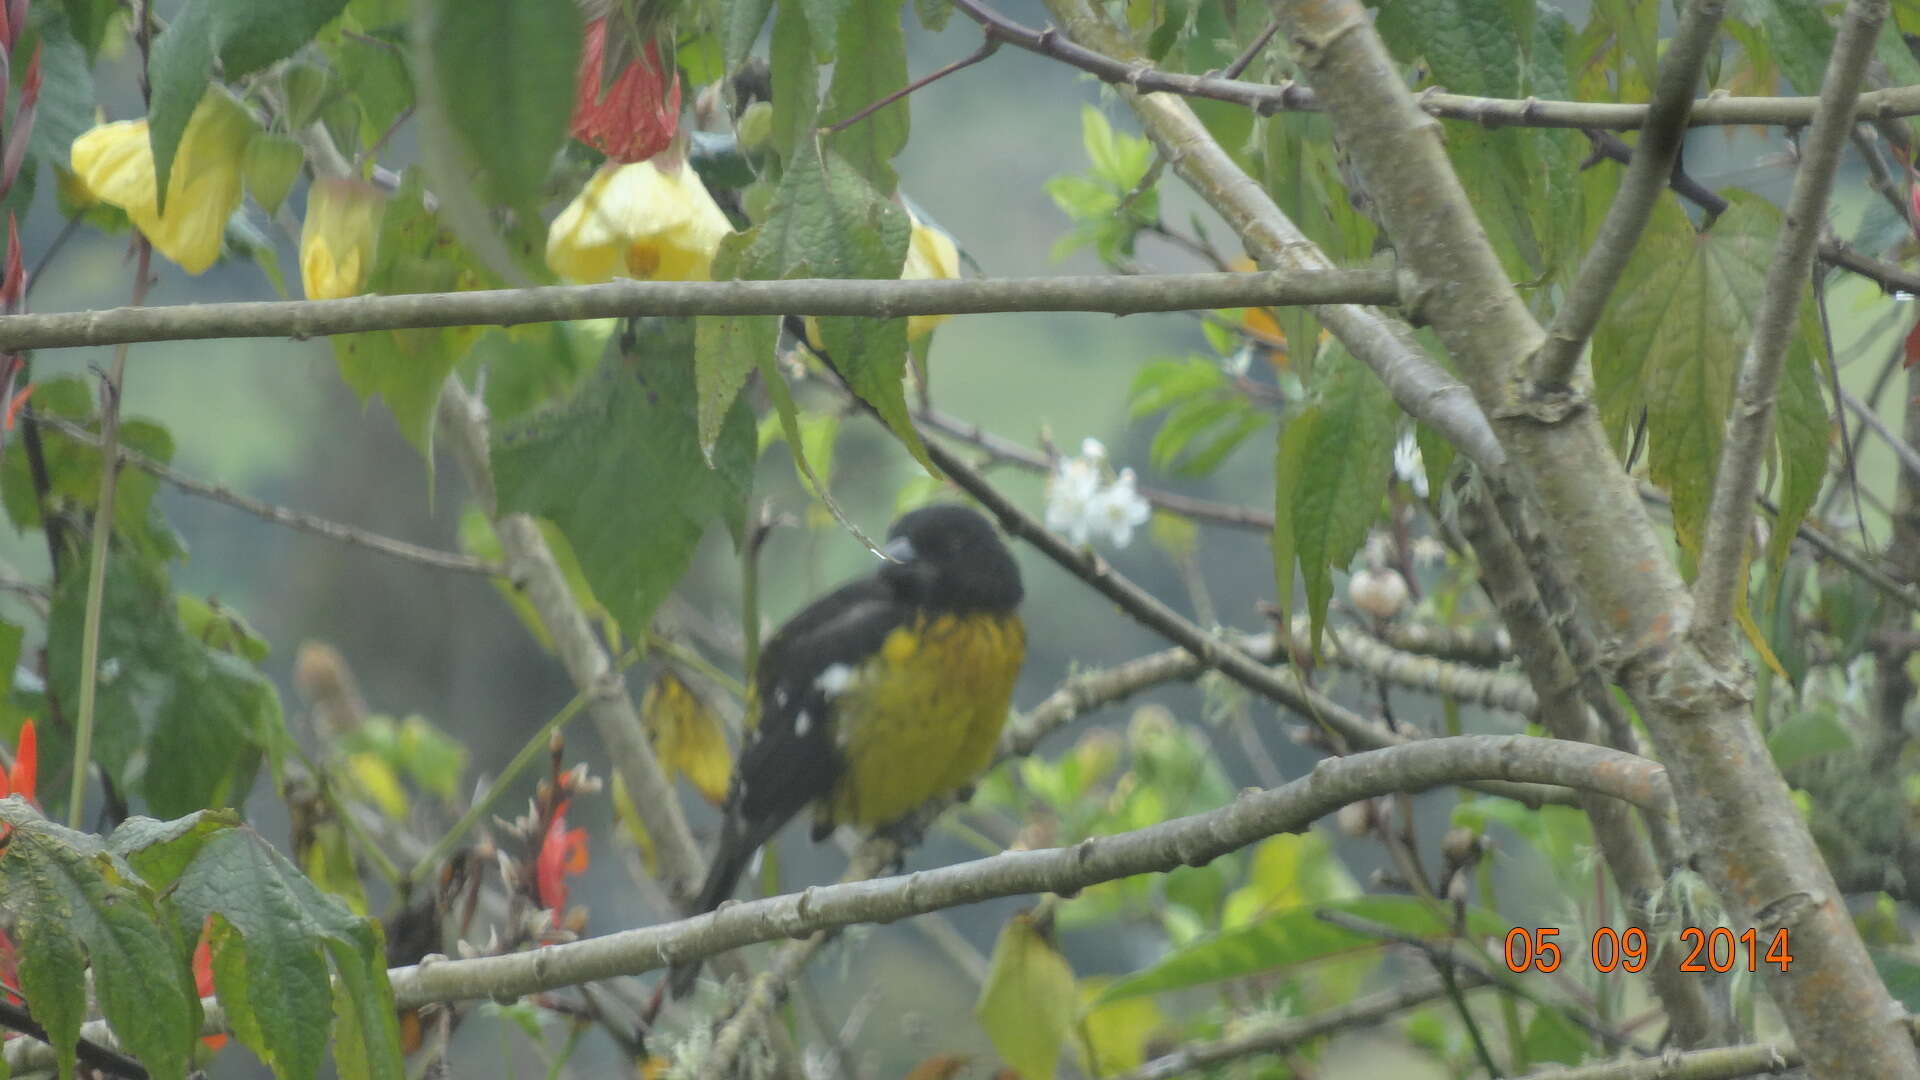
(949, 558)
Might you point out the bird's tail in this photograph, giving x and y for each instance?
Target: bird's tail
(730, 860)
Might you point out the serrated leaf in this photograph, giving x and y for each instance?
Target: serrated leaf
(872, 63)
(164, 699)
(76, 902)
(506, 82)
(288, 931)
(1292, 937)
(1343, 471)
(1027, 1004)
(1672, 340)
(619, 470)
(160, 850)
(244, 36)
(827, 221)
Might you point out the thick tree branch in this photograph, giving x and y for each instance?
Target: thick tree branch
(1189, 841)
(1111, 294)
(1551, 382)
(531, 567)
(1752, 844)
(1269, 98)
(1422, 387)
(1749, 425)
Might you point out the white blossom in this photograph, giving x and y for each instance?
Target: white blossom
(1082, 504)
(1121, 508)
(1409, 466)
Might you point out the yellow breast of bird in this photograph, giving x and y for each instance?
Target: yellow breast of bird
(922, 717)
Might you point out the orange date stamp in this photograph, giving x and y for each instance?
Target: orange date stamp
(1715, 951)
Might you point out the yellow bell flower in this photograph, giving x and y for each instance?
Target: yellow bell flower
(638, 221)
(931, 255)
(115, 163)
(338, 237)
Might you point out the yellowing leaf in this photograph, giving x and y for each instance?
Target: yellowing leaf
(1113, 1037)
(687, 735)
(1028, 1003)
(377, 781)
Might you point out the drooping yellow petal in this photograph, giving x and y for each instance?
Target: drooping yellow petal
(338, 237)
(115, 163)
(931, 254)
(638, 221)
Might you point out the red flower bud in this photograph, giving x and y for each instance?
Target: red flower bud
(636, 116)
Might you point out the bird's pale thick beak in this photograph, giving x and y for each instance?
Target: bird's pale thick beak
(899, 549)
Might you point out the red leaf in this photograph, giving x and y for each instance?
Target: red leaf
(13, 283)
(1913, 346)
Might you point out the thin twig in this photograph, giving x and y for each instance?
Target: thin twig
(280, 515)
(536, 748)
(987, 48)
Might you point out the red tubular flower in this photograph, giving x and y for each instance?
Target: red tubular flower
(563, 853)
(635, 118)
(21, 779)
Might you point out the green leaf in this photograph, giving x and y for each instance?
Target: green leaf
(872, 64)
(286, 932)
(65, 109)
(796, 80)
(372, 70)
(75, 902)
(1293, 937)
(744, 20)
(161, 850)
(1802, 39)
(1808, 734)
(1343, 471)
(1802, 435)
(620, 471)
(1028, 1003)
(90, 20)
(244, 36)
(726, 348)
(506, 72)
(73, 472)
(165, 699)
(1551, 1036)
(1673, 337)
